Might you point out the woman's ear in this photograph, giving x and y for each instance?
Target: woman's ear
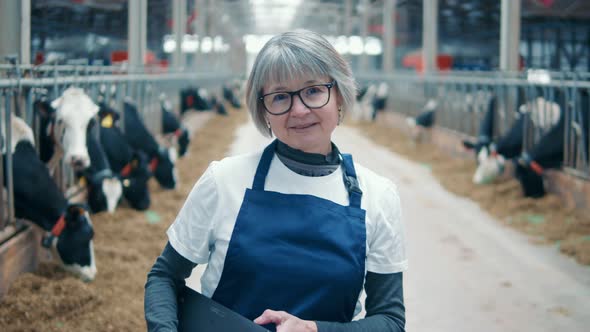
(339, 99)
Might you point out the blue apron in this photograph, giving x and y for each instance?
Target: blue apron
(298, 253)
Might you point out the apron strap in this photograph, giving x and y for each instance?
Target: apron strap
(264, 166)
(352, 185)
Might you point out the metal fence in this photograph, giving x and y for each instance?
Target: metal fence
(463, 99)
(20, 86)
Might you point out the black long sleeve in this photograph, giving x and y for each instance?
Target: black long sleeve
(384, 306)
(164, 281)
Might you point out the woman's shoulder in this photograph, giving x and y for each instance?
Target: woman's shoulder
(377, 184)
(236, 164)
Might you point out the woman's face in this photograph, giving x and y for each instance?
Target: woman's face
(306, 129)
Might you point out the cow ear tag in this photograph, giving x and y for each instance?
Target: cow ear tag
(82, 182)
(107, 121)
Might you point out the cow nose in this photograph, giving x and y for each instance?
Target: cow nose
(78, 163)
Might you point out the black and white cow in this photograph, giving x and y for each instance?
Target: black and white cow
(380, 100)
(548, 152)
(370, 100)
(424, 120)
(103, 187)
(363, 107)
(161, 160)
(173, 130)
(491, 156)
(37, 198)
(63, 124)
(130, 165)
(194, 98)
(218, 106)
(230, 94)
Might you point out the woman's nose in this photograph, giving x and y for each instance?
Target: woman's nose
(298, 108)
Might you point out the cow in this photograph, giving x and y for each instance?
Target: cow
(491, 156)
(173, 130)
(380, 100)
(63, 124)
(363, 107)
(194, 98)
(548, 152)
(102, 187)
(370, 100)
(161, 160)
(218, 106)
(230, 94)
(37, 198)
(130, 165)
(425, 119)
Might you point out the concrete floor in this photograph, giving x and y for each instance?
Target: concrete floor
(467, 272)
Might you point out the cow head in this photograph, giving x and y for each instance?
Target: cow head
(71, 240)
(490, 165)
(174, 132)
(135, 179)
(74, 109)
(163, 167)
(179, 139)
(104, 191)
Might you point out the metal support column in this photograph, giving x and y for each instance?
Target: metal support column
(429, 35)
(137, 34)
(199, 30)
(364, 60)
(25, 32)
(347, 28)
(510, 35)
(389, 13)
(15, 20)
(179, 30)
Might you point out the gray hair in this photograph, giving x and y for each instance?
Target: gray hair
(293, 55)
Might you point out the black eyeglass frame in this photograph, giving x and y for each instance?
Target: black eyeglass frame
(328, 85)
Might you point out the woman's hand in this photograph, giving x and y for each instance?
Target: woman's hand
(286, 322)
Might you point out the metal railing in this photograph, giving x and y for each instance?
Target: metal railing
(463, 98)
(21, 86)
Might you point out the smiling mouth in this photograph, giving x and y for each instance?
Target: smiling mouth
(300, 127)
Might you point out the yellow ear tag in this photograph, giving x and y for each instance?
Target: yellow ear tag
(107, 121)
(82, 182)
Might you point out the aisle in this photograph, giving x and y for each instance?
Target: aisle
(467, 272)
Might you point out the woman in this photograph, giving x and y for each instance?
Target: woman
(291, 234)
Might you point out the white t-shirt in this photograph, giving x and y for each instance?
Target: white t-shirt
(202, 230)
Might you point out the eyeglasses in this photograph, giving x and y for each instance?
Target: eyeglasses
(313, 96)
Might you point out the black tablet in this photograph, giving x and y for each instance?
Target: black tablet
(197, 312)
